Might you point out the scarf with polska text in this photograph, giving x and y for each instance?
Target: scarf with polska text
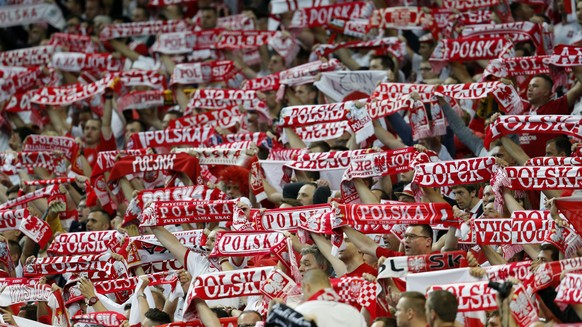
(203, 72)
(517, 31)
(98, 266)
(78, 61)
(32, 14)
(87, 243)
(162, 213)
(488, 231)
(357, 28)
(306, 73)
(149, 78)
(181, 193)
(446, 173)
(569, 290)
(258, 138)
(175, 162)
(115, 31)
(475, 296)
(243, 243)
(66, 95)
(232, 22)
(233, 155)
(31, 291)
(27, 160)
(567, 56)
(225, 284)
(388, 45)
(505, 94)
(358, 119)
(130, 283)
(32, 56)
(203, 118)
(549, 274)
(164, 3)
(539, 178)
(462, 5)
(47, 143)
(322, 132)
(452, 20)
(222, 98)
(396, 267)
(141, 100)
(24, 199)
(319, 16)
(73, 42)
(242, 39)
(519, 66)
(409, 213)
(20, 219)
(190, 239)
(186, 42)
(103, 318)
(19, 83)
(409, 18)
(284, 154)
(554, 161)
(168, 138)
(264, 84)
(286, 218)
(325, 160)
(515, 124)
(470, 49)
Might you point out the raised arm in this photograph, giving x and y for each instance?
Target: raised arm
(362, 242)
(170, 242)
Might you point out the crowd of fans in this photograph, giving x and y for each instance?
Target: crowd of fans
(154, 198)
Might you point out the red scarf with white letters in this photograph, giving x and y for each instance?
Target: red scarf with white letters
(32, 14)
(105, 319)
(86, 243)
(240, 244)
(456, 172)
(141, 100)
(176, 162)
(389, 45)
(73, 42)
(469, 49)
(517, 31)
(552, 124)
(115, 31)
(36, 229)
(168, 138)
(321, 15)
(410, 213)
(161, 213)
(24, 199)
(403, 18)
(77, 61)
(569, 290)
(203, 72)
(33, 56)
(100, 266)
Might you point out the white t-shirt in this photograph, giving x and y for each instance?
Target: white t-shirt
(332, 314)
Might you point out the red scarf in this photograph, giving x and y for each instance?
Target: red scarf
(222, 98)
(283, 6)
(401, 266)
(540, 178)
(402, 18)
(149, 78)
(19, 290)
(77, 61)
(509, 231)
(552, 124)
(554, 161)
(518, 31)
(468, 49)
(409, 213)
(264, 84)
(518, 66)
(286, 218)
(177, 162)
(356, 292)
(477, 296)
(446, 173)
(99, 267)
(69, 94)
(24, 199)
(388, 45)
(32, 14)
(162, 213)
(130, 283)
(203, 118)
(87, 243)
(569, 290)
(240, 244)
(33, 56)
(64, 144)
(115, 31)
(462, 5)
(45, 182)
(320, 16)
(105, 319)
(19, 83)
(141, 100)
(279, 285)
(203, 72)
(322, 132)
(571, 207)
(76, 43)
(170, 137)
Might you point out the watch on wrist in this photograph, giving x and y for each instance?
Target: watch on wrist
(91, 301)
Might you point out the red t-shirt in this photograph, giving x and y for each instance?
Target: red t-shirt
(387, 253)
(104, 145)
(363, 268)
(535, 144)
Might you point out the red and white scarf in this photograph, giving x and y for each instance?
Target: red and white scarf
(100, 266)
(322, 132)
(170, 137)
(24, 199)
(220, 155)
(69, 94)
(552, 124)
(469, 49)
(401, 266)
(306, 73)
(203, 72)
(279, 285)
(222, 98)
(518, 66)
(508, 231)
(64, 144)
(115, 31)
(130, 283)
(567, 56)
(554, 161)
(33, 56)
(45, 182)
(163, 3)
(455, 172)
(409, 213)
(32, 14)
(415, 18)
(30, 291)
(286, 218)
(506, 95)
(19, 83)
(149, 78)
(105, 319)
(186, 42)
(388, 45)
(173, 163)
(571, 208)
(356, 292)
(462, 5)
(243, 39)
(283, 6)
(357, 27)
(77, 61)
(341, 84)
(26, 160)
(518, 32)
(325, 160)
(540, 178)
(203, 118)
(161, 213)
(73, 42)
(264, 84)
(477, 296)
(569, 290)
(87, 243)
(141, 100)
(240, 244)
(190, 239)
(321, 15)
(36, 229)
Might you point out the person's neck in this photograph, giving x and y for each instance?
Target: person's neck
(444, 324)
(418, 323)
(353, 264)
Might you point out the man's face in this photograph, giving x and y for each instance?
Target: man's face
(538, 91)
(428, 314)
(401, 313)
(211, 240)
(92, 132)
(307, 262)
(376, 64)
(544, 256)
(305, 95)
(276, 64)
(405, 198)
(489, 211)
(349, 252)
(233, 191)
(305, 195)
(416, 242)
(208, 19)
(131, 129)
(92, 10)
(97, 221)
(464, 198)
(488, 195)
(391, 242)
(139, 15)
(167, 118)
(500, 152)
(83, 211)
(425, 50)
(552, 150)
(248, 319)
(426, 71)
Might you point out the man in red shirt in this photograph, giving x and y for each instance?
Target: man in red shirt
(98, 135)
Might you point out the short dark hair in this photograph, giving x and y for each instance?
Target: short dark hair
(469, 187)
(323, 145)
(444, 304)
(141, 124)
(13, 189)
(387, 321)
(416, 302)
(101, 210)
(319, 258)
(425, 229)
(387, 62)
(15, 248)
(158, 316)
(552, 248)
(252, 312)
(546, 78)
(562, 145)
